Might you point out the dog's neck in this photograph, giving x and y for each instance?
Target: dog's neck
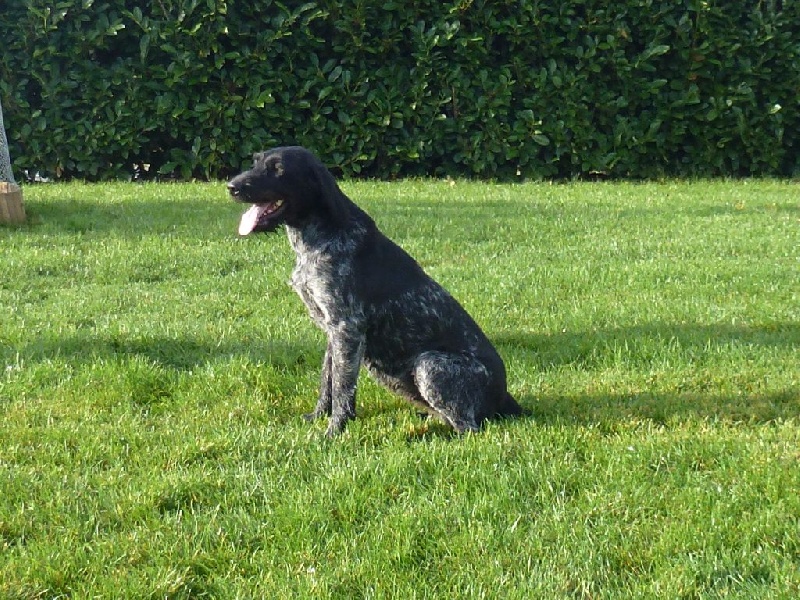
(315, 237)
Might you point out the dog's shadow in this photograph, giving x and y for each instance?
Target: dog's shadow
(644, 347)
(524, 351)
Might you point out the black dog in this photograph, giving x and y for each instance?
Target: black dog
(374, 302)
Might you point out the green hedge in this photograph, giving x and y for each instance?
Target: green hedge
(488, 88)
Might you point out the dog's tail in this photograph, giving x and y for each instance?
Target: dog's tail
(509, 407)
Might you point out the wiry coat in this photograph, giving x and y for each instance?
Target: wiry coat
(374, 302)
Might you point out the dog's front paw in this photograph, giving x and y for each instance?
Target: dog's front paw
(335, 427)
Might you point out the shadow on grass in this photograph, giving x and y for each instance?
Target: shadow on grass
(140, 209)
(585, 348)
(132, 212)
(181, 354)
(666, 347)
(639, 347)
(661, 408)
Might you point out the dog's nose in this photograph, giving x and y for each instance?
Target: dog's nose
(233, 189)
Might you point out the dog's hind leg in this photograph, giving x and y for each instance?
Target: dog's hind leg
(455, 386)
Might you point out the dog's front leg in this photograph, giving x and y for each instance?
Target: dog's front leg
(347, 350)
(323, 407)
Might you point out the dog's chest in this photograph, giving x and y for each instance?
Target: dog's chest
(323, 274)
(320, 282)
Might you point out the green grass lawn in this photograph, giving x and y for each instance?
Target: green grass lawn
(154, 367)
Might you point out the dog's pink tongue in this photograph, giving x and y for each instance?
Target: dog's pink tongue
(249, 220)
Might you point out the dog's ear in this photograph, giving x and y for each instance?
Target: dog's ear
(334, 200)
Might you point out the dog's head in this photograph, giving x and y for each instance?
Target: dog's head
(287, 185)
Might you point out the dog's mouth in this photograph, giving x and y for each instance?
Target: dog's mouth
(259, 216)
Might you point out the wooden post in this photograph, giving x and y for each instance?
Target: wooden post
(12, 210)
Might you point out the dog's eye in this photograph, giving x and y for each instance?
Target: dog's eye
(275, 166)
